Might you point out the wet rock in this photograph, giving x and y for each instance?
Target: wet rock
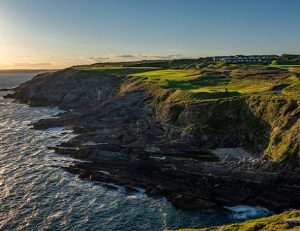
(186, 202)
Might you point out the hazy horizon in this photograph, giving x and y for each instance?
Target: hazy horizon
(56, 34)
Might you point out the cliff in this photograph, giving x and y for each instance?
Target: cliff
(220, 135)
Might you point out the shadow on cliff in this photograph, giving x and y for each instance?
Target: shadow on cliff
(227, 122)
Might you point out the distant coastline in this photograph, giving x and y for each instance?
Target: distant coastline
(27, 70)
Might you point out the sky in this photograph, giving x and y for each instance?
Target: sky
(46, 34)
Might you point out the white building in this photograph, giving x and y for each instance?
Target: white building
(245, 58)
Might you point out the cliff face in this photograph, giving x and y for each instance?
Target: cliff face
(147, 136)
(67, 88)
(264, 124)
(282, 114)
(267, 125)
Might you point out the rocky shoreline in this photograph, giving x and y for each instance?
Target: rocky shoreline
(127, 141)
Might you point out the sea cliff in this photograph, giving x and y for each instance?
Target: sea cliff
(203, 137)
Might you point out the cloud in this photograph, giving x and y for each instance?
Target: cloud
(97, 59)
(33, 64)
(126, 56)
(135, 57)
(172, 56)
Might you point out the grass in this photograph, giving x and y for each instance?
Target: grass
(279, 222)
(187, 79)
(285, 65)
(114, 70)
(209, 80)
(209, 85)
(222, 81)
(292, 90)
(173, 78)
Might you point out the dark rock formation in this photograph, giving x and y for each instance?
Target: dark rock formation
(134, 136)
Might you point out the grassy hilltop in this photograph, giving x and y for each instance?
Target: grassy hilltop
(255, 106)
(211, 80)
(271, 92)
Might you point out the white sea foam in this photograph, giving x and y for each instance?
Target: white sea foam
(242, 212)
(90, 143)
(69, 159)
(55, 129)
(119, 188)
(158, 157)
(104, 172)
(140, 191)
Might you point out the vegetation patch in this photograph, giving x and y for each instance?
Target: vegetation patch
(286, 221)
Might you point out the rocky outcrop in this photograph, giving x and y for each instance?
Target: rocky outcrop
(68, 88)
(136, 134)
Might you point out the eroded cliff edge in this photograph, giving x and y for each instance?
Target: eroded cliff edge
(136, 133)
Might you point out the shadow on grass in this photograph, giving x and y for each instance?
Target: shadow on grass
(205, 82)
(215, 95)
(199, 82)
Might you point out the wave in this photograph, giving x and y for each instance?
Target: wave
(243, 212)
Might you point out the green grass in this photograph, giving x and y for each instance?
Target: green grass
(114, 70)
(174, 78)
(212, 80)
(284, 65)
(276, 222)
(207, 85)
(222, 81)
